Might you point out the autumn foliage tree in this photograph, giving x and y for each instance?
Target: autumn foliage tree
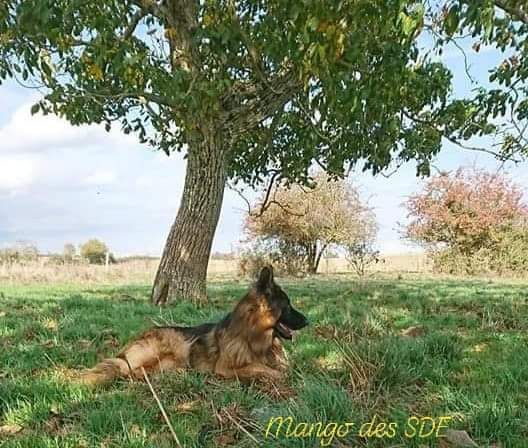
(299, 224)
(466, 218)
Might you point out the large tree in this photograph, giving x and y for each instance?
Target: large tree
(247, 88)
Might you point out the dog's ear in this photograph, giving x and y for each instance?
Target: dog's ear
(265, 280)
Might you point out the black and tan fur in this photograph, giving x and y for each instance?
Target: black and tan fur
(245, 344)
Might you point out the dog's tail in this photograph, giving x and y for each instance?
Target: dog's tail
(106, 371)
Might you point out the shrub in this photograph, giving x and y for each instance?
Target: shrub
(250, 263)
(361, 255)
(471, 222)
(94, 251)
(8, 255)
(284, 262)
(508, 254)
(511, 250)
(21, 251)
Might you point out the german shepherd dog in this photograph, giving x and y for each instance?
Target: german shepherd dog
(246, 344)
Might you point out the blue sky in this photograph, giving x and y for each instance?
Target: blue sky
(60, 183)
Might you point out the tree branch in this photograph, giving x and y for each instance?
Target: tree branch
(497, 155)
(253, 52)
(181, 19)
(283, 208)
(157, 9)
(265, 204)
(457, 142)
(454, 41)
(239, 192)
(142, 97)
(136, 18)
(516, 12)
(242, 118)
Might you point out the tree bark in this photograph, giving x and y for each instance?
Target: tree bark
(311, 251)
(314, 254)
(183, 267)
(319, 255)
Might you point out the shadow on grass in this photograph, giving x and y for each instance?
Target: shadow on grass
(351, 363)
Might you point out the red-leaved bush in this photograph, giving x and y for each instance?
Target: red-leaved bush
(465, 215)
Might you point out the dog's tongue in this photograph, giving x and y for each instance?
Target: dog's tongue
(285, 329)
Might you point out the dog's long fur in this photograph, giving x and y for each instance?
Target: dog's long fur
(245, 344)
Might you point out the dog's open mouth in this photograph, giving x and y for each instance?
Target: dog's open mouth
(283, 330)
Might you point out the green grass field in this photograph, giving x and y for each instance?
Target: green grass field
(470, 362)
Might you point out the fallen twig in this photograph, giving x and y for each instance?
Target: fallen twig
(233, 420)
(161, 408)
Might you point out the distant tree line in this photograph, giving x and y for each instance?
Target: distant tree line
(19, 251)
(92, 251)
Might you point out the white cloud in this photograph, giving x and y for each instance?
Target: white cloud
(26, 133)
(145, 181)
(16, 172)
(100, 177)
(60, 183)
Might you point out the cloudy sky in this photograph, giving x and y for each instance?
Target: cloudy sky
(60, 183)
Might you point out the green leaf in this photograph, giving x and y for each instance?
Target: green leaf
(312, 23)
(451, 21)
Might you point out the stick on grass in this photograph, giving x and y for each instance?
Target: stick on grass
(161, 409)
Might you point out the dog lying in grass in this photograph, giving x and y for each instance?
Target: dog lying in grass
(246, 344)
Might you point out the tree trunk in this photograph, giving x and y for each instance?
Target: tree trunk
(319, 255)
(311, 250)
(183, 267)
(313, 258)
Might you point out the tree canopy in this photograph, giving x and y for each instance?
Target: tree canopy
(500, 108)
(326, 82)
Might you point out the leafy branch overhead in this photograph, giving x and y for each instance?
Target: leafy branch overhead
(500, 109)
(285, 84)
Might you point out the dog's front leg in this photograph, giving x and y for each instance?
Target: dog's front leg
(250, 371)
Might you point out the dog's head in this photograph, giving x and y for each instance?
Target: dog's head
(276, 310)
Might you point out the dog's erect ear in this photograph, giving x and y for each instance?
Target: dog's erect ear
(265, 279)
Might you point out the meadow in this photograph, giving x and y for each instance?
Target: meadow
(391, 347)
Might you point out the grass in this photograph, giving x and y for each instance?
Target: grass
(467, 359)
